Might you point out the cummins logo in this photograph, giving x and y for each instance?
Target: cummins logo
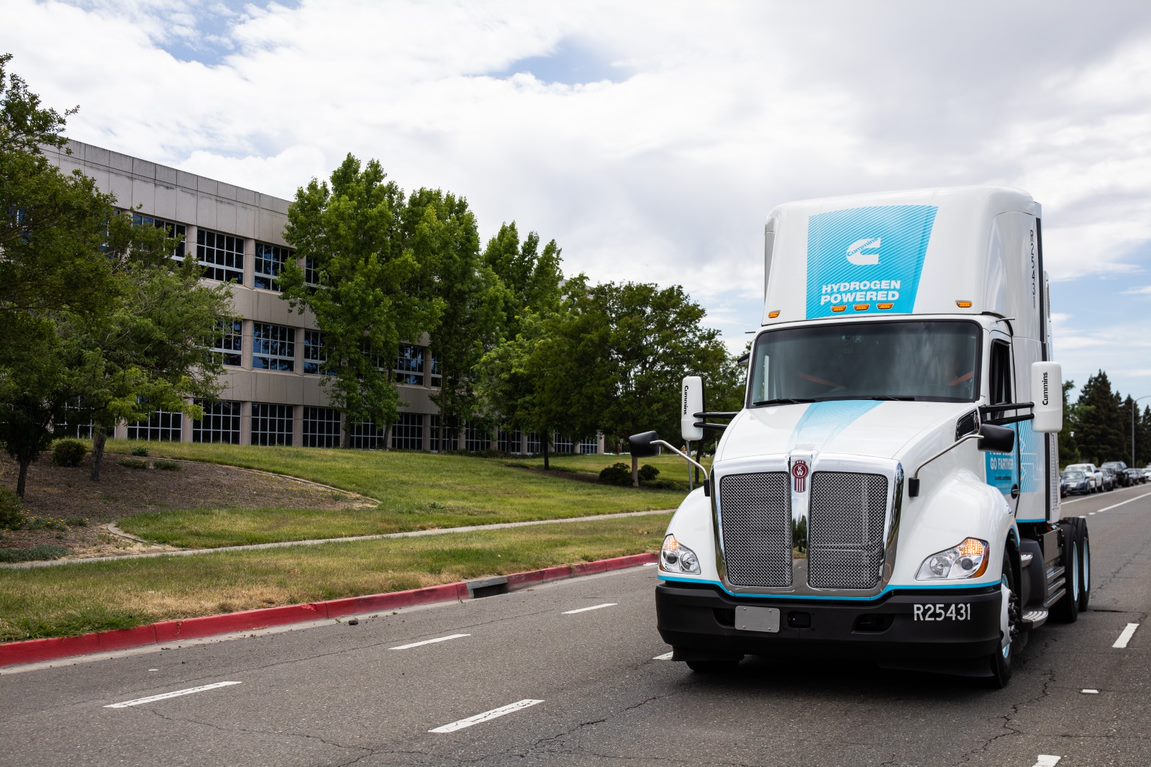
(864, 252)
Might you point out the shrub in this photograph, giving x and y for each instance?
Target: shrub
(141, 451)
(616, 474)
(12, 515)
(36, 553)
(68, 452)
(133, 463)
(164, 465)
(46, 523)
(648, 473)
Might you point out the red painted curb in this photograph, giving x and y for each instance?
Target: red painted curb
(40, 650)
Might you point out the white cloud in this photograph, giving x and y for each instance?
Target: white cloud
(665, 172)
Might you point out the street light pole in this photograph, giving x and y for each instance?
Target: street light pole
(1133, 409)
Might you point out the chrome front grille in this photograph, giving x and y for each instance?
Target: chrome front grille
(840, 532)
(845, 530)
(756, 524)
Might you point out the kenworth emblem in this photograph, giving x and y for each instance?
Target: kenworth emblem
(800, 470)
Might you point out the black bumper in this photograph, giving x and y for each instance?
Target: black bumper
(699, 623)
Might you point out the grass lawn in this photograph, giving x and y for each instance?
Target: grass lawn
(78, 598)
(415, 491)
(671, 467)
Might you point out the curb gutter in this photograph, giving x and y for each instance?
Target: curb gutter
(170, 632)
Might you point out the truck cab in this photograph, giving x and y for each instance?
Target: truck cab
(890, 489)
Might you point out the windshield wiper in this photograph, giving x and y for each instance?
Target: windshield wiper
(802, 401)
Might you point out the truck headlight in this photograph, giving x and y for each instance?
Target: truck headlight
(967, 560)
(674, 557)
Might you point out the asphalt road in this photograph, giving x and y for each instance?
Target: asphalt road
(570, 674)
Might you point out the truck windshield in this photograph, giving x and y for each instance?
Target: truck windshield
(932, 361)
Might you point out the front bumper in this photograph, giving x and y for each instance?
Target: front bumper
(698, 621)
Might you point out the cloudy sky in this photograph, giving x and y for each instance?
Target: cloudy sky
(651, 138)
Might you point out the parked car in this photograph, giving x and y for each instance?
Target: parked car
(1075, 483)
(1110, 480)
(1119, 469)
(1092, 472)
(1135, 476)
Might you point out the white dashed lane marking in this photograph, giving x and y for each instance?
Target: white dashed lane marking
(166, 695)
(495, 713)
(437, 640)
(1125, 637)
(588, 609)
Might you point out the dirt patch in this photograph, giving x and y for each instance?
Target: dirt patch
(72, 511)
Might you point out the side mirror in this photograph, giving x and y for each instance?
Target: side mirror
(642, 445)
(691, 402)
(1047, 396)
(996, 439)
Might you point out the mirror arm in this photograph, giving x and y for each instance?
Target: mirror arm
(913, 480)
(683, 455)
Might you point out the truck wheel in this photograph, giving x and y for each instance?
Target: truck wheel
(1011, 617)
(1067, 608)
(1084, 565)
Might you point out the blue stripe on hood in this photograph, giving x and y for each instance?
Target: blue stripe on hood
(824, 420)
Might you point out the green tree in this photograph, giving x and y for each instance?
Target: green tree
(441, 233)
(369, 296)
(532, 279)
(1068, 442)
(1099, 420)
(657, 337)
(90, 305)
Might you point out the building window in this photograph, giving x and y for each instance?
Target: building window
(437, 372)
(477, 439)
(271, 424)
(445, 436)
(311, 273)
(221, 422)
(314, 354)
(364, 435)
(588, 446)
(270, 260)
(410, 365)
(533, 443)
(562, 444)
(173, 230)
(273, 347)
(73, 424)
(375, 359)
(510, 442)
(408, 433)
(321, 427)
(228, 344)
(221, 255)
(161, 426)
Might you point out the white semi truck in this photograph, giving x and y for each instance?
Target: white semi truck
(890, 488)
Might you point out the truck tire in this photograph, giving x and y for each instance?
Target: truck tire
(1003, 660)
(1067, 608)
(1084, 564)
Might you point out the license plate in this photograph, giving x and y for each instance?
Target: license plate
(764, 619)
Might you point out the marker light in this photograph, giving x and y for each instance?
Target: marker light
(838, 309)
(862, 307)
(964, 304)
(967, 560)
(674, 557)
(773, 314)
(885, 307)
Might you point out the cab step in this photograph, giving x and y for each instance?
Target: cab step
(1035, 618)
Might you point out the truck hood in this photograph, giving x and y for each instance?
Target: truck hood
(864, 428)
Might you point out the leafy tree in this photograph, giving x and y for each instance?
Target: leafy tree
(531, 278)
(553, 376)
(90, 305)
(1068, 443)
(1143, 438)
(441, 233)
(369, 296)
(1099, 421)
